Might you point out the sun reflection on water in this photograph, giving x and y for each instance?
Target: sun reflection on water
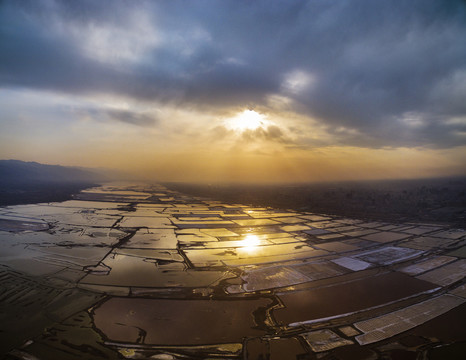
(250, 242)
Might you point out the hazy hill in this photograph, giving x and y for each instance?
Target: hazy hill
(20, 172)
(30, 182)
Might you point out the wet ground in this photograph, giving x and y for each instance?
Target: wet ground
(139, 272)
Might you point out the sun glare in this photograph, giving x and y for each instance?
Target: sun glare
(250, 242)
(246, 120)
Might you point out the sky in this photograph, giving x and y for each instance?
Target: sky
(236, 91)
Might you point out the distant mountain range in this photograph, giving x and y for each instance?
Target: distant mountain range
(15, 172)
(30, 182)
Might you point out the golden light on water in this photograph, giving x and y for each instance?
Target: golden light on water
(250, 242)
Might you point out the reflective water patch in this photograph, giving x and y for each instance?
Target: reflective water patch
(386, 326)
(447, 274)
(323, 340)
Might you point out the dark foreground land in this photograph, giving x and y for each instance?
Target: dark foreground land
(427, 200)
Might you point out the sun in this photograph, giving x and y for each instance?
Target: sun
(246, 120)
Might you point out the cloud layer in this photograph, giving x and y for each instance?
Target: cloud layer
(373, 73)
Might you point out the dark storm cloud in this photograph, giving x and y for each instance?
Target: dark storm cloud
(383, 73)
